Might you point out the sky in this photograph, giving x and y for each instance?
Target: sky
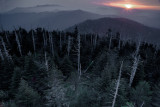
(143, 11)
(90, 5)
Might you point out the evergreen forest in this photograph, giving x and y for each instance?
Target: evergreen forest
(40, 68)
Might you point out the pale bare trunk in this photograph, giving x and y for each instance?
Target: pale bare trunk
(1, 55)
(119, 43)
(44, 40)
(18, 43)
(138, 47)
(51, 43)
(79, 54)
(95, 41)
(60, 43)
(135, 65)
(117, 85)
(69, 45)
(33, 39)
(110, 42)
(7, 38)
(134, 70)
(4, 47)
(91, 39)
(142, 104)
(46, 61)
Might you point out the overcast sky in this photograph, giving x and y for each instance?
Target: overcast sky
(149, 17)
(89, 5)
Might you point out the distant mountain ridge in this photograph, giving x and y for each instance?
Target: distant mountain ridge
(49, 20)
(129, 29)
(87, 22)
(37, 9)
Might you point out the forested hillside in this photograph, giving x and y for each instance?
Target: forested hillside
(129, 29)
(68, 69)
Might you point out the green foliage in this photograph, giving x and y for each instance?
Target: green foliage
(3, 95)
(85, 97)
(10, 104)
(66, 66)
(30, 68)
(52, 81)
(6, 71)
(55, 95)
(35, 73)
(15, 80)
(128, 104)
(26, 96)
(121, 97)
(156, 96)
(141, 94)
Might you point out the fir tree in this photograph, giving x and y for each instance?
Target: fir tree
(141, 95)
(15, 81)
(156, 96)
(26, 96)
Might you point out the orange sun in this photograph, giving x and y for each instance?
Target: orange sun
(128, 6)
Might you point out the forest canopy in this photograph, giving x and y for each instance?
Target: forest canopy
(40, 68)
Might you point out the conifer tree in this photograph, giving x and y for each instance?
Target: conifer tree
(15, 81)
(141, 95)
(1, 55)
(18, 43)
(6, 71)
(156, 96)
(27, 96)
(55, 95)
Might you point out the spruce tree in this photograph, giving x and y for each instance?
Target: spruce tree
(156, 96)
(141, 95)
(6, 71)
(55, 95)
(27, 96)
(15, 81)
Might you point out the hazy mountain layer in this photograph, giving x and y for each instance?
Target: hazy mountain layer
(49, 20)
(129, 29)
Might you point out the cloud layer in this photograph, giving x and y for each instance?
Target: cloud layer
(75, 4)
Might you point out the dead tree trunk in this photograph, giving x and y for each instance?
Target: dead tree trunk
(79, 54)
(60, 43)
(110, 42)
(7, 39)
(117, 85)
(95, 41)
(1, 55)
(51, 43)
(135, 65)
(18, 43)
(119, 42)
(142, 104)
(134, 70)
(33, 39)
(5, 50)
(44, 41)
(20, 36)
(69, 45)
(46, 61)
(138, 47)
(4, 47)
(91, 39)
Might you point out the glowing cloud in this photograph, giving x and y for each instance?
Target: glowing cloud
(128, 4)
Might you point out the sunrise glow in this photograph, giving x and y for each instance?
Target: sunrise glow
(131, 5)
(128, 6)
